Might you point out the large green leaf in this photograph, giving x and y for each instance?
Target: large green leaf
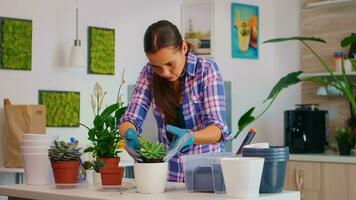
(299, 38)
(120, 112)
(245, 120)
(109, 110)
(284, 82)
(348, 40)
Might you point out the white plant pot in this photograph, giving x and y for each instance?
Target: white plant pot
(96, 178)
(33, 149)
(151, 178)
(36, 143)
(242, 176)
(31, 136)
(38, 170)
(89, 176)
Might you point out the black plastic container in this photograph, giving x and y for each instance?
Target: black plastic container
(274, 167)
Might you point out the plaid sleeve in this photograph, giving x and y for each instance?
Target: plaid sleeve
(214, 108)
(140, 101)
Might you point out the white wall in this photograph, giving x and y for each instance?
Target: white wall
(54, 32)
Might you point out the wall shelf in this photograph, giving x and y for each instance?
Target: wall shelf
(329, 3)
(326, 74)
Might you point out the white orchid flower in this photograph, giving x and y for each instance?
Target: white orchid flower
(123, 76)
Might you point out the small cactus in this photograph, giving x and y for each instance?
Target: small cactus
(97, 165)
(64, 151)
(88, 165)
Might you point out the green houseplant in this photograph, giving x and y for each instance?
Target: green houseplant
(344, 140)
(151, 173)
(64, 157)
(341, 83)
(104, 135)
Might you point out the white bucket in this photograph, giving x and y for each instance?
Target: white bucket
(38, 170)
(242, 176)
(89, 176)
(151, 178)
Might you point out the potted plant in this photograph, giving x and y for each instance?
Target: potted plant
(97, 166)
(64, 157)
(104, 135)
(344, 140)
(89, 171)
(151, 173)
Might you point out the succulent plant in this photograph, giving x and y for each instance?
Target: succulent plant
(88, 165)
(152, 152)
(97, 165)
(64, 151)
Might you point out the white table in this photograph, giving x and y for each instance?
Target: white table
(19, 172)
(174, 191)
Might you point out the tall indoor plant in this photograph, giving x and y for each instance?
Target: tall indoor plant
(342, 83)
(104, 135)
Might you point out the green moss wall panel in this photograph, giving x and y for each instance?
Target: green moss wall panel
(101, 49)
(15, 44)
(62, 107)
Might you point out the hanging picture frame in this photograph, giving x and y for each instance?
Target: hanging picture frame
(101, 51)
(15, 44)
(197, 26)
(244, 31)
(62, 107)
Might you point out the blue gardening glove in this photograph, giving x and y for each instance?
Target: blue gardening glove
(182, 138)
(131, 139)
(132, 144)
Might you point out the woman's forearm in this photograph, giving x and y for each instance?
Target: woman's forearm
(208, 135)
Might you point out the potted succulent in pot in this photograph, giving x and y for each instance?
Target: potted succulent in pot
(97, 166)
(64, 157)
(104, 136)
(344, 140)
(151, 173)
(89, 171)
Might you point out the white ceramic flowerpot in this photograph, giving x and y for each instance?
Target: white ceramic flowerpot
(242, 176)
(89, 176)
(151, 178)
(96, 178)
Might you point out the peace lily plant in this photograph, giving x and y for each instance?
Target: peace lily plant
(341, 83)
(104, 134)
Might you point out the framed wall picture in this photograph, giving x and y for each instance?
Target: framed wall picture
(197, 26)
(244, 31)
(15, 44)
(62, 107)
(101, 47)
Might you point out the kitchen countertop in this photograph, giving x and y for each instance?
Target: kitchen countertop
(328, 156)
(174, 191)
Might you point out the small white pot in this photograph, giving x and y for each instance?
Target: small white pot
(89, 176)
(242, 176)
(96, 178)
(151, 178)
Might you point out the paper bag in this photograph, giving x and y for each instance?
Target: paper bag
(20, 119)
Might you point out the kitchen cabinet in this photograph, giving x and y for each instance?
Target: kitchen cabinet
(322, 180)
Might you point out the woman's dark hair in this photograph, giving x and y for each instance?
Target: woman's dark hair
(157, 36)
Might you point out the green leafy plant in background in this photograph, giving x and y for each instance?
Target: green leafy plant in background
(64, 151)
(62, 107)
(104, 133)
(15, 44)
(340, 83)
(101, 51)
(343, 136)
(151, 152)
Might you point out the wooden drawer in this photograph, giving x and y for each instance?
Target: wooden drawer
(303, 176)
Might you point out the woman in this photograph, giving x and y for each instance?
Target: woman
(187, 96)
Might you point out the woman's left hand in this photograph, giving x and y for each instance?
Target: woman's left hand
(182, 138)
